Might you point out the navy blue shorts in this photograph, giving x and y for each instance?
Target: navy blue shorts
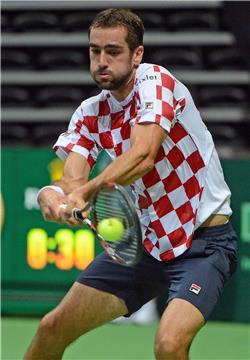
(198, 275)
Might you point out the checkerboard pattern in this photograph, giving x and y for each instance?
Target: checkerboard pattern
(166, 198)
(172, 193)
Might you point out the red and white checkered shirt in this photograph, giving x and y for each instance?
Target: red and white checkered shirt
(167, 198)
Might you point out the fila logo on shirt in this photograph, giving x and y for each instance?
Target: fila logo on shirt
(195, 289)
(149, 105)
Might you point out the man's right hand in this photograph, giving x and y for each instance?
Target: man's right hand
(50, 201)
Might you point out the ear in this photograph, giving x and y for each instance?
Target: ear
(138, 55)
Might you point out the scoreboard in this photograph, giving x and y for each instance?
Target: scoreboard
(40, 260)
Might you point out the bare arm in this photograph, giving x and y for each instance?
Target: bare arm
(130, 166)
(75, 174)
(139, 160)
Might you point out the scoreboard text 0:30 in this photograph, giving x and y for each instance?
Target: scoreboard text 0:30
(67, 249)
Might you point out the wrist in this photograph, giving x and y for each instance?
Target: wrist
(58, 189)
(89, 188)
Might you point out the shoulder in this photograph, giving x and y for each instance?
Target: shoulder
(86, 115)
(151, 69)
(90, 106)
(151, 73)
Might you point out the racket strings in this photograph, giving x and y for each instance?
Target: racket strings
(113, 204)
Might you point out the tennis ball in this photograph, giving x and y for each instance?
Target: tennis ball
(111, 229)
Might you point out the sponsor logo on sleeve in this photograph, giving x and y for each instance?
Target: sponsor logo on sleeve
(145, 78)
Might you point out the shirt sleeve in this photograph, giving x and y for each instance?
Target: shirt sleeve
(156, 96)
(77, 139)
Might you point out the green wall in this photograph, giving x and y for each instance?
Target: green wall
(40, 260)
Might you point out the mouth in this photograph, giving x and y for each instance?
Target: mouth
(103, 74)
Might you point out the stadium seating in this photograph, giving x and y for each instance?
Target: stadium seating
(16, 97)
(16, 59)
(77, 22)
(59, 96)
(35, 22)
(15, 133)
(62, 59)
(226, 59)
(228, 139)
(153, 20)
(226, 96)
(41, 40)
(47, 134)
(192, 20)
(177, 58)
(4, 23)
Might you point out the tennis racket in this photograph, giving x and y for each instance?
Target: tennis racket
(112, 201)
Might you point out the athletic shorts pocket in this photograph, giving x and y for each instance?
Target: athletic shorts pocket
(233, 262)
(223, 255)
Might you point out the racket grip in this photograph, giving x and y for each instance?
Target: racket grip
(77, 214)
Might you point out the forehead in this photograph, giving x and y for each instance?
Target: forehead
(111, 35)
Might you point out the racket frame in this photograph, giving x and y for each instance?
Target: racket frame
(90, 206)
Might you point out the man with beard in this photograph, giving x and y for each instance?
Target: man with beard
(146, 120)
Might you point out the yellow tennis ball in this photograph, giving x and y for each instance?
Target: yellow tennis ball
(111, 229)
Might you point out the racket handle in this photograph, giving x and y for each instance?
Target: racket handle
(77, 214)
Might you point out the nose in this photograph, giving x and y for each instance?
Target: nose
(103, 59)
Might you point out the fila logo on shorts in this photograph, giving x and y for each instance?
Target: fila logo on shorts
(195, 289)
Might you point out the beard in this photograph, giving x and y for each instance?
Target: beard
(114, 82)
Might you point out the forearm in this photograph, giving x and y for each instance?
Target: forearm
(124, 170)
(136, 173)
(75, 174)
(68, 185)
(131, 165)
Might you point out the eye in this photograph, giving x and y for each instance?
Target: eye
(95, 51)
(114, 52)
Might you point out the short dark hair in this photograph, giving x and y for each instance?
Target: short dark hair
(121, 17)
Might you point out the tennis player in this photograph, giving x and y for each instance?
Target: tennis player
(147, 122)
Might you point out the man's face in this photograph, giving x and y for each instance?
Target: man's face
(111, 61)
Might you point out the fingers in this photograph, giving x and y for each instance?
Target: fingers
(73, 201)
(51, 214)
(86, 213)
(60, 214)
(58, 208)
(56, 213)
(80, 214)
(67, 216)
(49, 202)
